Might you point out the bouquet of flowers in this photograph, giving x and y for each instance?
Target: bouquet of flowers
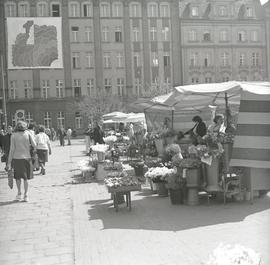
(121, 179)
(110, 139)
(153, 162)
(226, 138)
(213, 142)
(176, 160)
(102, 148)
(233, 255)
(159, 174)
(109, 165)
(173, 149)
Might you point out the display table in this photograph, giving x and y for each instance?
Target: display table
(123, 190)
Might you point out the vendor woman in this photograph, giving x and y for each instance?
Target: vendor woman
(218, 125)
(198, 130)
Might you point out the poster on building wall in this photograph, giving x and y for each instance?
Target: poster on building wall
(34, 42)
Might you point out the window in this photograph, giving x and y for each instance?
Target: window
(86, 10)
(104, 10)
(13, 90)
(108, 85)
(59, 88)
(135, 10)
(10, 9)
(117, 10)
(78, 120)
(135, 33)
(206, 36)
(152, 10)
(42, 9)
(223, 11)
(255, 58)
(206, 60)
(89, 60)
(193, 35)
(120, 86)
(225, 59)
(241, 36)
(88, 34)
(118, 34)
(165, 33)
(105, 33)
(249, 12)
(241, 59)
(154, 59)
(77, 88)
(55, 10)
(195, 80)
(136, 58)
(75, 60)
(27, 88)
(153, 34)
(254, 35)
(74, 10)
(45, 89)
(107, 59)
(194, 11)
(47, 119)
(164, 10)
(194, 59)
(119, 60)
(60, 119)
(29, 117)
(23, 9)
(74, 34)
(90, 86)
(223, 35)
(166, 59)
(208, 79)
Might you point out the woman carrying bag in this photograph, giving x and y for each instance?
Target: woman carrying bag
(20, 157)
(43, 147)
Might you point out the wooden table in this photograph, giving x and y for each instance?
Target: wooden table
(123, 190)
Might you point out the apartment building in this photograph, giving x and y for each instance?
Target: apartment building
(127, 48)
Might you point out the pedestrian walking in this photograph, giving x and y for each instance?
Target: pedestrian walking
(43, 148)
(61, 133)
(6, 144)
(20, 157)
(33, 131)
(88, 133)
(53, 134)
(69, 133)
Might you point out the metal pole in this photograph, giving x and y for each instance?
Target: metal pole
(4, 92)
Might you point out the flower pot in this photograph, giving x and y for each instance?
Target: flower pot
(100, 156)
(228, 147)
(193, 177)
(176, 196)
(153, 186)
(192, 196)
(139, 170)
(159, 146)
(101, 172)
(212, 175)
(162, 189)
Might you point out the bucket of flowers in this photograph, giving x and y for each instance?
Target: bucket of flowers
(110, 140)
(176, 184)
(100, 150)
(159, 175)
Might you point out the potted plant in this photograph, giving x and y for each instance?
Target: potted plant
(175, 184)
(138, 167)
(191, 168)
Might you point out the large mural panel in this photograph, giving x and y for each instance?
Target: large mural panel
(34, 42)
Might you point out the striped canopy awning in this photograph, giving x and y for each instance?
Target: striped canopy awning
(252, 141)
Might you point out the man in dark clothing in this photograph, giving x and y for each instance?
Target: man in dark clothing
(98, 134)
(61, 133)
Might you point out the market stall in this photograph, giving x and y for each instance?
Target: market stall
(251, 149)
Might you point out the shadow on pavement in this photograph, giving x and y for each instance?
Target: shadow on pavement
(8, 203)
(151, 212)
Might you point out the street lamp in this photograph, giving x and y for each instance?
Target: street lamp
(4, 92)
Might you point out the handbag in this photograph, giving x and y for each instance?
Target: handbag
(4, 158)
(10, 178)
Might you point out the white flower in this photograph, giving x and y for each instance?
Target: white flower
(100, 148)
(233, 255)
(110, 139)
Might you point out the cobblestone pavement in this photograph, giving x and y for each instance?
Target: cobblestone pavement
(76, 224)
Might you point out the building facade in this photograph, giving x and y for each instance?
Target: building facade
(129, 48)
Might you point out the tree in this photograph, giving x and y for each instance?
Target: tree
(98, 104)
